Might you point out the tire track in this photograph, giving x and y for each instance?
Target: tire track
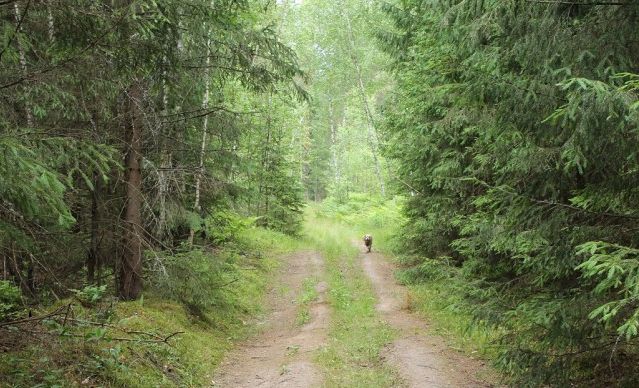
(280, 356)
(422, 359)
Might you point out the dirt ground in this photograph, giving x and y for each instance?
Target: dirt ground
(422, 359)
(281, 355)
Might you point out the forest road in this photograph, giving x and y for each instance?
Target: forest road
(281, 354)
(422, 358)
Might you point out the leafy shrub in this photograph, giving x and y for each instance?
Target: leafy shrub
(90, 295)
(223, 226)
(10, 300)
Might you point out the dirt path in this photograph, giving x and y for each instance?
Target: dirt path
(422, 359)
(281, 355)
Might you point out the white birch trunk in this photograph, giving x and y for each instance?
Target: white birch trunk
(23, 64)
(372, 132)
(51, 23)
(200, 171)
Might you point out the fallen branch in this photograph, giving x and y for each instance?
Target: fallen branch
(122, 329)
(64, 314)
(59, 311)
(73, 335)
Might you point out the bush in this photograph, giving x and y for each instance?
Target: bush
(224, 226)
(90, 295)
(10, 300)
(204, 280)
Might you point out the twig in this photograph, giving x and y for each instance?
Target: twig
(229, 283)
(34, 319)
(72, 335)
(66, 316)
(104, 324)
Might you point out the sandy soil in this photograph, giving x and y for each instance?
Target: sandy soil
(280, 356)
(422, 359)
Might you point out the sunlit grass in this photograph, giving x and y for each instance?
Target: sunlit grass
(438, 301)
(356, 336)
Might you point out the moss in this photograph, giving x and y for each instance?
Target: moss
(92, 356)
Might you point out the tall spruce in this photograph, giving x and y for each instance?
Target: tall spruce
(516, 123)
(102, 130)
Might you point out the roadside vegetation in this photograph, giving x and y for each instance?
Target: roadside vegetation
(514, 125)
(158, 340)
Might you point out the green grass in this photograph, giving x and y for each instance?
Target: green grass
(191, 357)
(438, 300)
(443, 309)
(356, 334)
(308, 295)
(367, 214)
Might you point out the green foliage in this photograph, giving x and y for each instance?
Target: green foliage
(364, 210)
(64, 136)
(90, 295)
(86, 349)
(615, 271)
(10, 300)
(334, 142)
(196, 278)
(224, 226)
(514, 126)
(367, 215)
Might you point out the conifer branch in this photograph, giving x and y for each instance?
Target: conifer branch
(577, 3)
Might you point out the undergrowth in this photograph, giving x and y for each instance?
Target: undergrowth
(102, 342)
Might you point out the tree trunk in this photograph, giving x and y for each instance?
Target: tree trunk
(165, 163)
(336, 169)
(131, 266)
(23, 62)
(93, 257)
(15, 269)
(266, 164)
(205, 124)
(372, 132)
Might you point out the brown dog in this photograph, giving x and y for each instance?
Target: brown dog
(368, 242)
